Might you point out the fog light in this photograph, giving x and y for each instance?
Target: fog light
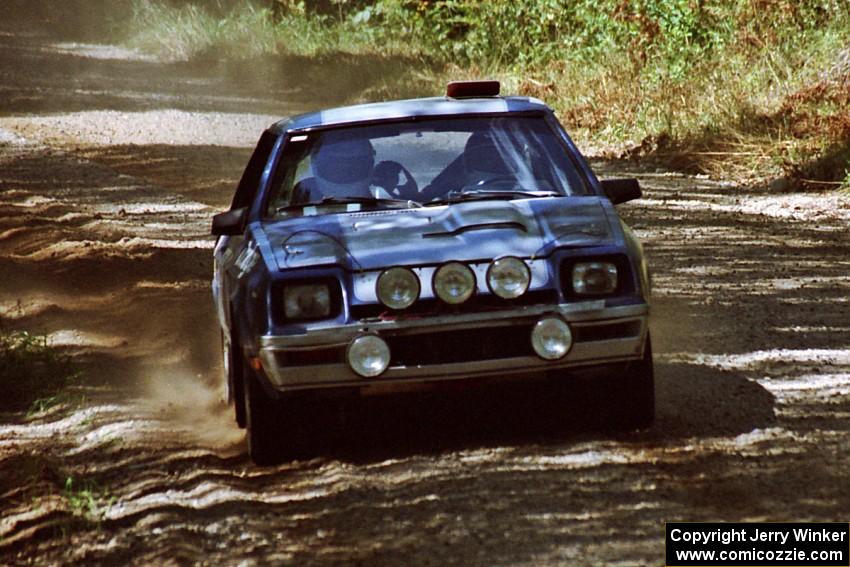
(368, 355)
(397, 288)
(551, 338)
(454, 283)
(508, 277)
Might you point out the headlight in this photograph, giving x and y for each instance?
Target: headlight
(454, 283)
(508, 277)
(593, 278)
(397, 288)
(551, 338)
(311, 301)
(368, 355)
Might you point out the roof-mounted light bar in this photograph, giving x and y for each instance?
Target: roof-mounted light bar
(472, 89)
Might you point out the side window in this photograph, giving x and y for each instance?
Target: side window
(247, 187)
(293, 173)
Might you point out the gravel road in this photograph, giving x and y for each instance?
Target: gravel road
(111, 166)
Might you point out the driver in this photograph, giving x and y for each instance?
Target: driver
(482, 160)
(343, 168)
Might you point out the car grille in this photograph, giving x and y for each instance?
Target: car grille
(431, 307)
(460, 346)
(467, 345)
(310, 357)
(606, 331)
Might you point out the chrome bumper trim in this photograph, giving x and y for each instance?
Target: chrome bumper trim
(585, 314)
(338, 335)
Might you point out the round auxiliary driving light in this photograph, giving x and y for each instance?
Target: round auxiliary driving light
(454, 283)
(397, 288)
(368, 355)
(551, 338)
(508, 277)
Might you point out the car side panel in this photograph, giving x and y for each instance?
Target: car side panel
(233, 254)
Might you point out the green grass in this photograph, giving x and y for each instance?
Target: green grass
(62, 399)
(86, 500)
(187, 31)
(753, 87)
(32, 373)
(181, 33)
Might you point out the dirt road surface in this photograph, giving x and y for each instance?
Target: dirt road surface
(111, 166)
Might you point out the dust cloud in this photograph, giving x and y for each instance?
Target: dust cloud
(192, 405)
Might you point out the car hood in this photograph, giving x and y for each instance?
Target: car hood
(475, 230)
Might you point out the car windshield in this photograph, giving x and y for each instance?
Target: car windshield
(421, 163)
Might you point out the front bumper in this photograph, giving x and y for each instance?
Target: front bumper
(610, 335)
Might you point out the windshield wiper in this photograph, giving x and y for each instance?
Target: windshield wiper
(372, 201)
(484, 194)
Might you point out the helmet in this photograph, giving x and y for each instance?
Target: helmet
(344, 161)
(481, 155)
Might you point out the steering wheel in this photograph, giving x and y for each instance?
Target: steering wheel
(388, 175)
(493, 180)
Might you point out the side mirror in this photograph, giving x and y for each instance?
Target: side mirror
(231, 223)
(621, 190)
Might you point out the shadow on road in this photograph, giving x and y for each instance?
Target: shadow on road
(692, 402)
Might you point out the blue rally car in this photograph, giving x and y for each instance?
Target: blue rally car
(384, 247)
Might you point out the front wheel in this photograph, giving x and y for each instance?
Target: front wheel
(234, 381)
(633, 393)
(265, 442)
(277, 429)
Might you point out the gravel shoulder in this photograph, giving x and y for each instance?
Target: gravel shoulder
(107, 185)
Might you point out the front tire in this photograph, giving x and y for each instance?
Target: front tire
(633, 394)
(234, 376)
(262, 413)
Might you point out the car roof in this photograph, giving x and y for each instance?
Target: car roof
(401, 109)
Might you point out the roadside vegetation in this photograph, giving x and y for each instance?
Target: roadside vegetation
(33, 375)
(758, 89)
(86, 499)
